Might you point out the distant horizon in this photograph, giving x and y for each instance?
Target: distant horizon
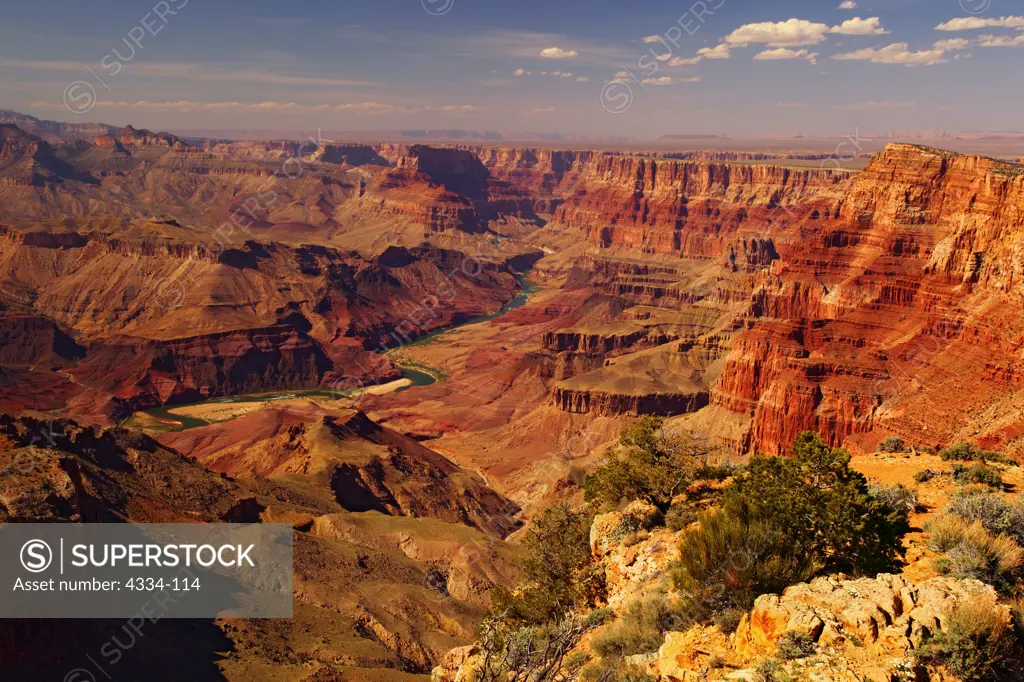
(510, 135)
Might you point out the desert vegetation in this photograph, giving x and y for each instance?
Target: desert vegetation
(559, 576)
(783, 521)
(980, 643)
(980, 536)
(744, 532)
(651, 465)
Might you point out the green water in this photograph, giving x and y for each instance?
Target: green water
(416, 376)
(527, 289)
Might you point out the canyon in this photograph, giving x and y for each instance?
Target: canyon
(773, 298)
(552, 296)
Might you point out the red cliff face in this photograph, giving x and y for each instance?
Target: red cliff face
(689, 209)
(860, 302)
(879, 318)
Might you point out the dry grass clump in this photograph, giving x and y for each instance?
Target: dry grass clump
(977, 643)
(973, 552)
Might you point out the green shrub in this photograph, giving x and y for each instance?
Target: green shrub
(968, 452)
(998, 516)
(926, 475)
(728, 561)
(980, 474)
(978, 644)
(896, 497)
(973, 552)
(647, 465)
(768, 670)
(892, 444)
(822, 506)
(558, 571)
(680, 516)
(793, 645)
(946, 532)
(640, 628)
(714, 472)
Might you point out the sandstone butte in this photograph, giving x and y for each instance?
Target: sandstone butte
(738, 295)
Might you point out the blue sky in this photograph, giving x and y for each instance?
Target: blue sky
(598, 67)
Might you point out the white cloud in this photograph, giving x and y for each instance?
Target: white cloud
(582, 79)
(541, 110)
(953, 44)
(847, 4)
(685, 61)
(720, 51)
(623, 74)
(651, 39)
(789, 33)
(860, 27)
(800, 32)
(970, 23)
(897, 53)
(1000, 41)
(669, 80)
(457, 107)
(557, 74)
(786, 53)
(558, 53)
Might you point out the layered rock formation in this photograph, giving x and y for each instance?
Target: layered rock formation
(168, 321)
(843, 301)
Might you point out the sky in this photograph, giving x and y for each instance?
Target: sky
(608, 68)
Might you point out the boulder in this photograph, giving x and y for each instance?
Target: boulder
(887, 614)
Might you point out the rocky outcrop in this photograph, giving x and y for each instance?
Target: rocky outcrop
(598, 402)
(865, 629)
(631, 567)
(143, 373)
(887, 614)
(411, 588)
(603, 342)
(130, 139)
(413, 480)
(27, 339)
(857, 310)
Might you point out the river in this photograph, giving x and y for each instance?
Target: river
(417, 377)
